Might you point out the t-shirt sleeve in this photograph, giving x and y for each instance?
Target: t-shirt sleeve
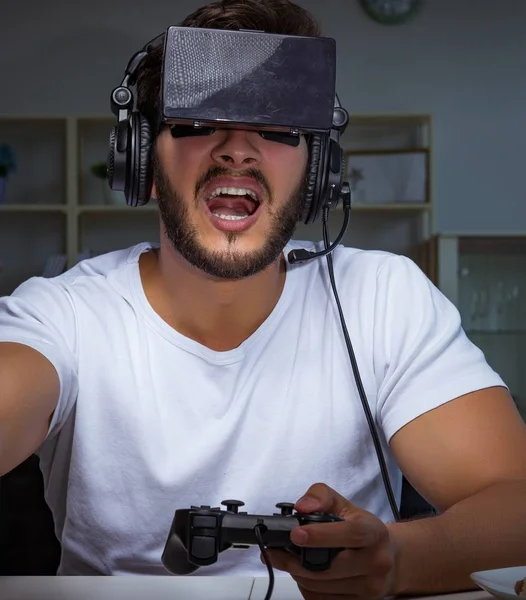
(40, 314)
(423, 358)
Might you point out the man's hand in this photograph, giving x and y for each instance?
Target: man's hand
(365, 566)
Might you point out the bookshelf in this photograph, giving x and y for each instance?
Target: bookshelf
(55, 205)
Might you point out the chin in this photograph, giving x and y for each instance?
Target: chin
(235, 244)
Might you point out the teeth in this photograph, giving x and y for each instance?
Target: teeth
(231, 217)
(231, 191)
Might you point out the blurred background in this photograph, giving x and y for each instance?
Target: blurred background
(435, 150)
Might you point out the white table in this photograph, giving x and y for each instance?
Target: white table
(286, 589)
(164, 588)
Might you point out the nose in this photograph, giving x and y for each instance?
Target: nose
(236, 149)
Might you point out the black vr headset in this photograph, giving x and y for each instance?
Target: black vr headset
(282, 86)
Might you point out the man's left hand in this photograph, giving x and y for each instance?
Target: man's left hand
(364, 569)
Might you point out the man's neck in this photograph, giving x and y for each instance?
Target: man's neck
(218, 314)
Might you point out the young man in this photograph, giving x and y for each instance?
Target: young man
(156, 378)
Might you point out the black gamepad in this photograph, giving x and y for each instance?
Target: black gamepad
(197, 535)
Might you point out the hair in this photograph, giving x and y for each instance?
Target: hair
(283, 17)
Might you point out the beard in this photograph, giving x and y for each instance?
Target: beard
(230, 263)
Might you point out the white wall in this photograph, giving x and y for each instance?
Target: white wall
(463, 61)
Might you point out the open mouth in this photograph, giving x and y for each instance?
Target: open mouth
(233, 209)
(232, 204)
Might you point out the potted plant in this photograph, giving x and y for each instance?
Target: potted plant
(7, 166)
(109, 196)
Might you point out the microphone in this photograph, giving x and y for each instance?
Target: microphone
(302, 255)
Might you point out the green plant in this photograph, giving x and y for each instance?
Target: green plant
(100, 170)
(7, 160)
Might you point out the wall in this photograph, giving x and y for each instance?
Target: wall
(464, 61)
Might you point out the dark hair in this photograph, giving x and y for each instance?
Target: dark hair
(272, 16)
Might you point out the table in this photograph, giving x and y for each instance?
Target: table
(164, 588)
(285, 588)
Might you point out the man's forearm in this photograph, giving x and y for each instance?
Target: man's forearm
(485, 531)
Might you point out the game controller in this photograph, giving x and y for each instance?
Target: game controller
(197, 535)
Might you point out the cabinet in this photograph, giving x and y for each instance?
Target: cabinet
(389, 165)
(57, 209)
(485, 277)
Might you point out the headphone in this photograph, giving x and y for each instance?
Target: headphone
(129, 155)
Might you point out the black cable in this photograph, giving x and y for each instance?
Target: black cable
(357, 377)
(261, 544)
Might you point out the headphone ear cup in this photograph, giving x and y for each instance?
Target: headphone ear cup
(139, 175)
(117, 160)
(310, 208)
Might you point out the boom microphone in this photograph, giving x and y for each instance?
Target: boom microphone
(302, 255)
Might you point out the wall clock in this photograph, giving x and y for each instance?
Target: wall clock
(391, 12)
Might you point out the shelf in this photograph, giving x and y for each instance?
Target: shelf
(107, 208)
(388, 208)
(18, 208)
(495, 332)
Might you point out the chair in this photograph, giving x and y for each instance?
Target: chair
(28, 544)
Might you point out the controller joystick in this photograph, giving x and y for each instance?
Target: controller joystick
(197, 535)
(286, 508)
(232, 505)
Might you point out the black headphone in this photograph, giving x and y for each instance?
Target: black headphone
(129, 155)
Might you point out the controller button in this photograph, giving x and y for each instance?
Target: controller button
(202, 521)
(203, 547)
(287, 508)
(232, 505)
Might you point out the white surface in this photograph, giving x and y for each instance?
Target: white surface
(125, 588)
(167, 588)
(285, 588)
(500, 582)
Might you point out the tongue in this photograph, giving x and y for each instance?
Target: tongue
(239, 206)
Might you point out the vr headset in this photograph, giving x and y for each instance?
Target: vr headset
(282, 86)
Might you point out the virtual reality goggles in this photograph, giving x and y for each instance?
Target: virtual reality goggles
(213, 77)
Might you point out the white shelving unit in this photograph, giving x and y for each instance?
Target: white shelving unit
(55, 205)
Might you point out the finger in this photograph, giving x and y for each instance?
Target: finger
(360, 530)
(322, 498)
(347, 563)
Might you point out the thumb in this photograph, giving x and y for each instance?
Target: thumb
(322, 498)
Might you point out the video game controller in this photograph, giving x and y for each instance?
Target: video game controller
(197, 535)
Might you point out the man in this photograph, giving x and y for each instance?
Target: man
(156, 378)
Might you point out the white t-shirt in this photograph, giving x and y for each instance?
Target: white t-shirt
(149, 421)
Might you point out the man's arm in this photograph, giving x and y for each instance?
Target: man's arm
(29, 392)
(468, 459)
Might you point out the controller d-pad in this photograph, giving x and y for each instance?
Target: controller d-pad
(203, 547)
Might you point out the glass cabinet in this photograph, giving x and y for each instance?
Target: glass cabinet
(485, 277)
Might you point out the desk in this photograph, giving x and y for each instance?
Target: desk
(286, 589)
(164, 588)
